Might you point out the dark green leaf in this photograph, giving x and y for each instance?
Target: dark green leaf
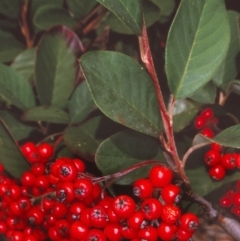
(10, 8)
(56, 66)
(151, 15)
(48, 114)
(18, 130)
(205, 95)
(125, 149)
(10, 47)
(183, 113)
(15, 89)
(48, 16)
(197, 44)
(229, 137)
(24, 64)
(166, 7)
(81, 8)
(229, 68)
(203, 184)
(122, 90)
(11, 157)
(85, 139)
(81, 104)
(129, 12)
(234, 86)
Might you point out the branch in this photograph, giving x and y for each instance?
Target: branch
(147, 59)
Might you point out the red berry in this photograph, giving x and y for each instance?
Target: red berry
(228, 161)
(113, 231)
(95, 235)
(79, 165)
(160, 176)
(207, 132)
(166, 232)
(75, 211)
(136, 220)
(199, 122)
(171, 194)
(212, 158)
(67, 172)
(59, 210)
(78, 230)
(128, 233)
(151, 208)
(189, 222)
(216, 147)
(217, 172)
(28, 179)
(98, 216)
(225, 202)
(27, 148)
(45, 150)
(148, 233)
(62, 227)
(65, 192)
(142, 188)
(170, 214)
(207, 113)
(124, 206)
(83, 188)
(235, 210)
(236, 199)
(35, 216)
(38, 169)
(182, 235)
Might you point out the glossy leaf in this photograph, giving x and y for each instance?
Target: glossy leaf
(11, 157)
(205, 95)
(15, 89)
(81, 8)
(56, 66)
(81, 104)
(124, 150)
(122, 90)
(10, 47)
(48, 16)
(129, 12)
(151, 15)
(48, 114)
(229, 137)
(229, 68)
(10, 8)
(24, 63)
(197, 44)
(18, 130)
(84, 140)
(183, 113)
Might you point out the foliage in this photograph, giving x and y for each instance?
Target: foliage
(71, 72)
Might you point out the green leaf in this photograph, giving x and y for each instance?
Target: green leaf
(48, 16)
(11, 157)
(81, 104)
(56, 67)
(202, 184)
(229, 69)
(81, 8)
(197, 44)
(234, 87)
(166, 7)
(49, 114)
(183, 113)
(15, 89)
(10, 47)
(129, 12)
(85, 139)
(123, 150)
(10, 8)
(24, 64)
(151, 15)
(122, 90)
(229, 137)
(205, 95)
(18, 130)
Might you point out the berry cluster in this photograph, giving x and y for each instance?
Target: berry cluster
(205, 121)
(60, 202)
(219, 163)
(231, 200)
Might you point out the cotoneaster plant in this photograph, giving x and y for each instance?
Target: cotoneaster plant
(118, 119)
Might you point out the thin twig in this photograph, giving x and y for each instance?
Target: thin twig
(147, 59)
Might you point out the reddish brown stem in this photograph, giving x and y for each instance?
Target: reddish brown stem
(24, 24)
(166, 117)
